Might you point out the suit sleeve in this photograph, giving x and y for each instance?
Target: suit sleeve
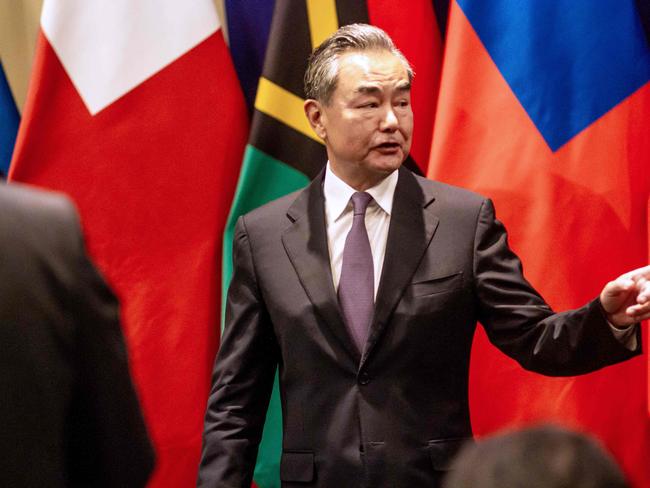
(242, 380)
(520, 323)
(108, 440)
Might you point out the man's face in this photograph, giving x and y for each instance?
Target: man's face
(368, 122)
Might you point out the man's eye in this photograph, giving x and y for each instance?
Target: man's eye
(403, 103)
(370, 105)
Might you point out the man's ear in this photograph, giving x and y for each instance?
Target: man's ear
(315, 116)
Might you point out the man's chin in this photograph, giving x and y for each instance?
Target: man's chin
(388, 164)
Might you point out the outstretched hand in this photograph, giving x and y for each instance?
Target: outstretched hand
(626, 300)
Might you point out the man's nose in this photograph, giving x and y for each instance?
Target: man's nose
(389, 121)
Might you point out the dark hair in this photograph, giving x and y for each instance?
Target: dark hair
(541, 457)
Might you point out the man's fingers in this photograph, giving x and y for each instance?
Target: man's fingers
(643, 297)
(643, 291)
(638, 311)
(619, 285)
(637, 274)
(641, 317)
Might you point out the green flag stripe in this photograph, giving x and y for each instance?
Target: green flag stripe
(288, 145)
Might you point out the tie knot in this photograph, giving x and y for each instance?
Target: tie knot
(360, 201)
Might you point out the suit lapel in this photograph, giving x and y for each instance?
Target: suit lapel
(305, 242)
(412, 225)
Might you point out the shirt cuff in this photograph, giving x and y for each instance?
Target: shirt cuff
(626, 336)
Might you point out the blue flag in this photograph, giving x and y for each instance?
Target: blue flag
(9, 119)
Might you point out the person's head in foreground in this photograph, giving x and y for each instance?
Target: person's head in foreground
(540, 457)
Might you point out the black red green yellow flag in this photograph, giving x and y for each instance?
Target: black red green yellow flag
(283, 153)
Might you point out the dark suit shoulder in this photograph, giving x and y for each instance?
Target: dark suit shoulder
(36, 218)
(42, 240)
(450, 193)
(273, 213)
(276, 215)
(23, 198)
(42, 247)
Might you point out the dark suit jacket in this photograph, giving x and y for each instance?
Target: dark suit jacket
(394, 416)
(69, 413)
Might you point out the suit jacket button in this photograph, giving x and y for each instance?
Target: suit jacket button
(364, 378)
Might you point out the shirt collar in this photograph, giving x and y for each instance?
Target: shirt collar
(338, 192)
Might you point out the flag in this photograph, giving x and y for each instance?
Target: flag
(249, 25)
(135, 111)
(9, 119)
(283, 154)
(545, 108)
(18, 27)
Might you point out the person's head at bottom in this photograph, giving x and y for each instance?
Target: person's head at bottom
(538, 457)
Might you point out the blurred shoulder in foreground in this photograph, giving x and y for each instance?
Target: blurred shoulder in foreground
(70, 413)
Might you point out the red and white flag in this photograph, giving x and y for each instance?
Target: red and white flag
(135, 111)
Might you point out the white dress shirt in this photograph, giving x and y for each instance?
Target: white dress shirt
(338, 216)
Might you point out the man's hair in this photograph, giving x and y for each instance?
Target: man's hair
(322, 69)
(541, 457)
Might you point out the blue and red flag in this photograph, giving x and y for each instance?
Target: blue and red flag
(545, 108)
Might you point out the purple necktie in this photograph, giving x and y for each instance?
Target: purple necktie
(357, 283)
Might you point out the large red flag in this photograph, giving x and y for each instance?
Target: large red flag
(545, 108)
(135, 111)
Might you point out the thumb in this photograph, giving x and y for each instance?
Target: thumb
(615, 293)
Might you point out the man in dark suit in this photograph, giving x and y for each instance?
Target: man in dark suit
(70, 415)
(365, 289)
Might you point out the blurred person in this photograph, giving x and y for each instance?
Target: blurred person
(537, 457)
(70, 415)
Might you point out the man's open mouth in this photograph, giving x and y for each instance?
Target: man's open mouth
(388, 145)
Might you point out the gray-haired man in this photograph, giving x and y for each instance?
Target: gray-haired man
(365, 289)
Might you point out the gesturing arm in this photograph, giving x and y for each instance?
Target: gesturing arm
(521, 324)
